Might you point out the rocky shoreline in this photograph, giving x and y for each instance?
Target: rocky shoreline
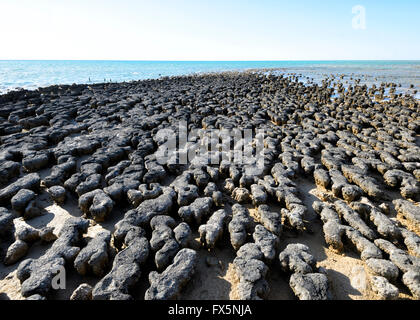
(82, 191)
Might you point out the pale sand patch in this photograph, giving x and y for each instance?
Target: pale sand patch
(10, 287)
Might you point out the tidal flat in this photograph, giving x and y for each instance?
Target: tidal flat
(329, 209)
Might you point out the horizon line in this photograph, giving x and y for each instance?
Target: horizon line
(194, 60)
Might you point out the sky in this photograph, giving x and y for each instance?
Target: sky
(209, 30)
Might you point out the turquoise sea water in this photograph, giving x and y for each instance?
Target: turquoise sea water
(30, 74)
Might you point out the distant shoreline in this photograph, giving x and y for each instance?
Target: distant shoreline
(31, 74)
(400, 89)
(216, 61)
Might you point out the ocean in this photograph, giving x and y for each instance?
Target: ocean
(31, 74)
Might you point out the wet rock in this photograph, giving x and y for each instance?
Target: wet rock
(32, 122)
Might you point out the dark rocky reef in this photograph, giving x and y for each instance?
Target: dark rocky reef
(100, 147)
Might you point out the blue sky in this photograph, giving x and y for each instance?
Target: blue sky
(208, 30)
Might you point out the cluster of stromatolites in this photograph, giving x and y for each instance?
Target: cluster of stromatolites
(98, 146)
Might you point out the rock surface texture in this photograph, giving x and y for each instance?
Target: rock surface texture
(104, 187)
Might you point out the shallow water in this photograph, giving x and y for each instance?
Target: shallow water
(33, 74)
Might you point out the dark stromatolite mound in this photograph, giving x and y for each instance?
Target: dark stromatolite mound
(169, 283)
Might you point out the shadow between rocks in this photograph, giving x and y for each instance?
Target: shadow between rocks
(340, 286)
